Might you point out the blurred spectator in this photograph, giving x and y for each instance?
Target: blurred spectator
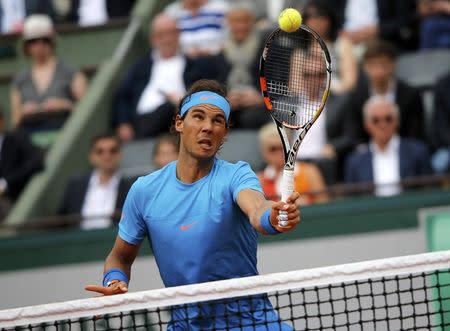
(365, 20)
(319, 15)
(307, 176)
(19, 160)
(165, 150)
(202, 25)
(98, 197)
(441, 125)
(147, 98)
(13, 13)
(379, 79)
(241, 50)
(387, 158)
(435, 23)
(43, 96)
(98, 12)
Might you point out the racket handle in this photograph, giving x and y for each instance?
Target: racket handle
(287, 187)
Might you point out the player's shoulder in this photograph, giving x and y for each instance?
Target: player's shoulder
(231, 168)
(155, 177)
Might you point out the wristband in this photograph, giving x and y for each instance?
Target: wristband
(114, 274)
(267, 226)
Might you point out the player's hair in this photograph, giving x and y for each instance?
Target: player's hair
(198, 86)
(376, 99)
(106, 135)
(377, 48)
(203, 85)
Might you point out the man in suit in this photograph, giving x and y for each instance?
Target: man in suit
(19, 160)
(97, 198)
(388, 157)
(379, 79)
(147, 98)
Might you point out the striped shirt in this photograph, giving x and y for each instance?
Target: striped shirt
(204, 31)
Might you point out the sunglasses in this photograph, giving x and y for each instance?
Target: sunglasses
(101, 151)
(274, 148)
(387, 119)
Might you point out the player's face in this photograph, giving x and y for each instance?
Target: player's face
(202, 131)
(105, 155)
(382, 122)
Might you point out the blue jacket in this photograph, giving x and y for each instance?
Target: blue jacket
(414, 161)
(137, 78)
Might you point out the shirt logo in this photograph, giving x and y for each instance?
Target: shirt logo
(188, 226)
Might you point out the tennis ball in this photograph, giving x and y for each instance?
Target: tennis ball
(290, 20)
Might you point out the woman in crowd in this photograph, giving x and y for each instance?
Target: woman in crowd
(44, 95)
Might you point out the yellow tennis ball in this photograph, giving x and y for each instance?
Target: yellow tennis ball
(290, 20)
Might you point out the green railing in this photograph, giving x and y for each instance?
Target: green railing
(349, 216)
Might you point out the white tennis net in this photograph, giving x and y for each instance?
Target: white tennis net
(402, 293)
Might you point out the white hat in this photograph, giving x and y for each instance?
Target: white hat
(38, 26)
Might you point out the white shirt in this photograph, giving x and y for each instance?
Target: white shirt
(360, 14)
(390, 93)
(166, 78)
(92, 12)
(386, 168)
(99, 203)
(13, 14)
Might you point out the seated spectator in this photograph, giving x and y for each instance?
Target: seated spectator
(201, 24)
(98, 12)
(388, 157)
(14, 12)
(43, 96)
(147, 98)
(308, 178)
(435, 23)
(165, 150)
(366, 20)
(320, 16)
(441, 126)
(379, 79)
(95, 199)
(19, 160)
(241, 50)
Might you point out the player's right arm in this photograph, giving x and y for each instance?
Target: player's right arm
(132, 230)
(121, 258)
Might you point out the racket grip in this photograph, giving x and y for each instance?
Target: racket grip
(287, 187)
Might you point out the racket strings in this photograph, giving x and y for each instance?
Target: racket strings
(296, 76)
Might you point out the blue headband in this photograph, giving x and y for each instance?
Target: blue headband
(206, 97)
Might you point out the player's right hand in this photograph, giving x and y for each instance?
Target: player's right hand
(112, 289)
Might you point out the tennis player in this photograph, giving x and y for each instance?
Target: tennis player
(201, 215)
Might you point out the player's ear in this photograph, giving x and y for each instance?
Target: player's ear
(179, 123)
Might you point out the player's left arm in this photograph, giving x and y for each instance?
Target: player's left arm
(258, 209)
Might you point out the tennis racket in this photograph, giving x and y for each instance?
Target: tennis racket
(295, 75)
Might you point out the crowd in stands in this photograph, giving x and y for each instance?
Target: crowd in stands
(372, 129)
(13, 13)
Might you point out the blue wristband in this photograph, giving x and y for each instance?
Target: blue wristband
(267, 226)
(115, 274)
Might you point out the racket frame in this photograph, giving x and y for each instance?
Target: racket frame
(291, 146)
